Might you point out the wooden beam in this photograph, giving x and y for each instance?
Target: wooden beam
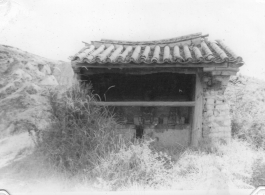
(177, 104)
(211, 69)
(214, 73)
(140, 71)
(153, 65)
(197, 117)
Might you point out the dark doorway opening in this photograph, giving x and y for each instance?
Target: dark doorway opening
(148, 87)
(139, 131)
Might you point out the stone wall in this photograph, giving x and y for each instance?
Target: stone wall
(216, 118)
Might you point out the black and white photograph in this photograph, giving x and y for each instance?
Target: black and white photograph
(132, 97)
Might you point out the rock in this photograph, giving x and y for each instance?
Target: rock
(49, 80)
(4, 64)
(21, 74)
(9, 130)
(30, 66)
(32, 89)
(44, 69)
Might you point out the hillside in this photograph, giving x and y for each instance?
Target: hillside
(23, 76)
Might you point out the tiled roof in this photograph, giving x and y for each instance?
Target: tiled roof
(195, 49)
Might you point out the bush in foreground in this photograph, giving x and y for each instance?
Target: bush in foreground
(80, 132)
(246, 98)
(134, 164)
(83, 140)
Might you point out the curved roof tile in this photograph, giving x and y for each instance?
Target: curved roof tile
(187, 52)
(228, 50)
(103, 56)
(122, 56)
(86, 51)
(197, 53)
(183, 50)
(156, 54)
(136, 54)
(91, 57)
(208, 54)
(115, 54)
(145, 54)
(218, 50)
(176, 54)
(166, 56)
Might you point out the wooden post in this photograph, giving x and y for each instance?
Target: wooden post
(196, 133)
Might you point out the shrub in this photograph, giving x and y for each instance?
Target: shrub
(247, 111)
(134, 164)
(258, 177)
(248, 123)
(230, 166)
(80, 132)
(83, 141)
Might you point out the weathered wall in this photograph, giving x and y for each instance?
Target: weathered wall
(127, 131)
(173, 129)
(173, 137)
(216, 119)
(180, 135)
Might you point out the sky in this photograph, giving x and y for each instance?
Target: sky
(55, 29)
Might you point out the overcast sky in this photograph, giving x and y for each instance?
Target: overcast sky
(56, 28)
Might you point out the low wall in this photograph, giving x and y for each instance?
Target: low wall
(179, 135)
(174, 137)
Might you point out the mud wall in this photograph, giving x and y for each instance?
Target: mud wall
(166, 137)
(177, 136)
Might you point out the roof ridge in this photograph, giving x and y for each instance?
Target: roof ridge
(176, 39)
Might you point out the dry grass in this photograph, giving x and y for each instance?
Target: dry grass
(83, 151)
(80, 132)
(230, 166)
(140, 167)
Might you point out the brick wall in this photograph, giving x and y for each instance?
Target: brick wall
(216, 118)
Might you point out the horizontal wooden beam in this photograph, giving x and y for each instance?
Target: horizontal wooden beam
(147, 66)
(139, 71)
(210, 69)
(220, 73)
(177, 104)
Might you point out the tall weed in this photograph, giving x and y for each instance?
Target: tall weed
(80, 132)
(134, 164)
(83, 140)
